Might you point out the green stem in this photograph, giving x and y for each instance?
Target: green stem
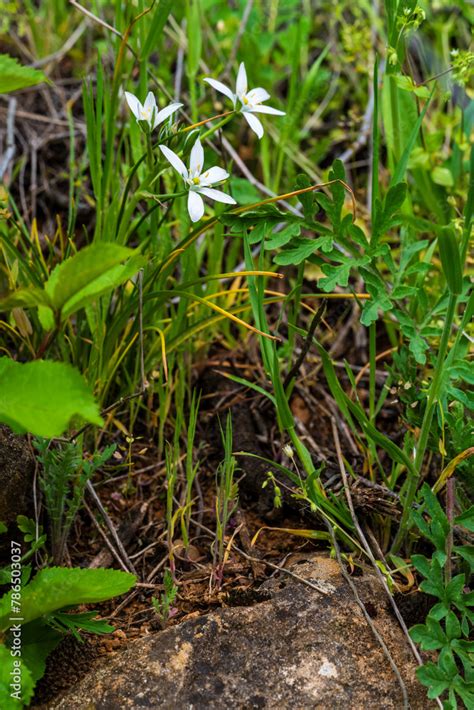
(373, 365)
(215, 128)
(303, 453)
(435, 384)
(192, 98)
(149, 152)
(395, 111)
(427, 421)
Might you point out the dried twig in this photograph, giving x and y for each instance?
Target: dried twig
(273, 566)
(10, 142)
(306, 345)
(111, 528)
(59, 54)
(112, 549)
(99, 21)
(238, 37)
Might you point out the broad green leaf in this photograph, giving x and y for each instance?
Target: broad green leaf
(46, 317)
(24, 298)
(79, 271)
(38, 640)
(412, 131)
(442, 176)
(243, 191)
(453, 627)
(14, 76)
(450, 259)
(466, 519)
(434, 678)
(429, 636)
(447, 663)
(8, 664)
(43, 397)
(108, 281)
(399, 113)
(407, 84)
(54, 588)
(467, 553)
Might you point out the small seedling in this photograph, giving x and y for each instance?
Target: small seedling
(226, 502)
(163, 604)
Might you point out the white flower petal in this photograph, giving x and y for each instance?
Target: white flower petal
(241, 86)
(196, 159)
(254, 123)
(134, 104)
(165, 113)
(175, 161)
(219, 86)
(150, 103)
(217, 195)
(256, 96)
(267, 109)
(195, 206)
(213, 175)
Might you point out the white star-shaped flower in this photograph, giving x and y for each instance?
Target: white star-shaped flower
(198, 182)
(149, 110)
(251, 101)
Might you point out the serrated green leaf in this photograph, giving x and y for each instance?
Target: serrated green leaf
(15, 76)
(300, 249)
(307, 198)
(54, 588)
(43, 397)
(9, 664)
(280, 239)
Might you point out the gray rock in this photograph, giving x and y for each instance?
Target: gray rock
(299, 649)
(17, 467)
